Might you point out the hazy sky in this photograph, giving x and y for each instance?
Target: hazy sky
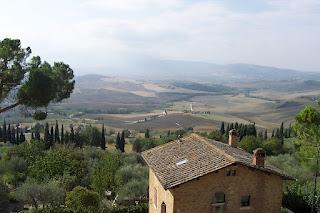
(104, 33)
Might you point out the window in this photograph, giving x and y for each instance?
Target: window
(231, 172)
(163, 208)
(245, 201)
(219, 197)
(155, 198)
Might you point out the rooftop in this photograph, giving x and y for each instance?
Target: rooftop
(188, 158)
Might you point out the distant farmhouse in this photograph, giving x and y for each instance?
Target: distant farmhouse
(198, 175)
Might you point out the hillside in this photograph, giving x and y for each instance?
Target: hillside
(168, 70)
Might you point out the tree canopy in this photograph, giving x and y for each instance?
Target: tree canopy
(37, 83)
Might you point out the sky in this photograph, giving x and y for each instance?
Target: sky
(92, 35)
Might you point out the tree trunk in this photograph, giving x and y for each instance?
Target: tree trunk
(9, 107)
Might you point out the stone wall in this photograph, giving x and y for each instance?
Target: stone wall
(196, 196)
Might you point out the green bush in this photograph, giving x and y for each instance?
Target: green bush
(58, 161)
(82, 200)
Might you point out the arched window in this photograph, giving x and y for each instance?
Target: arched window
(163, 208)
(219, 197)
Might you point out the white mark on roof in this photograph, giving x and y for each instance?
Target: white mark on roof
(182, 162)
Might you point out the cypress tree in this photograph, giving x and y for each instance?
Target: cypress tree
(4, 134)
(22, 137)
(122, 141)
(265, 134)
(228, 128)
(9, 134)
(147, 134)
(77, 139)
(46, 133)
(71, 139)
(37, 135)
(62, 134)
(51, 139)
(17, 136)
(56, 133)
(32, 136)
(289, 131)
(236, 126)
(67, 138)
(281, 133)
(272, 135)
(222, 130)
(13, 136)
(103, 139)
(118, 142)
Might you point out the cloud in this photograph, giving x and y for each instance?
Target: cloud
(98, 32)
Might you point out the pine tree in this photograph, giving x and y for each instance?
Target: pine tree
(46, 133)
(122, 141)
(118, 142)
(62, 134)
(56, 133)
(222, 130)
(265, 134)
(147, 134)
(103, 139)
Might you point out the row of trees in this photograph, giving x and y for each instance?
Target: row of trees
(57, 134)
(250, 129)
(11, 134)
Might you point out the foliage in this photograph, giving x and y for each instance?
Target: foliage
(56, 162)
(90, 136)
(28, 151)
(14, 170)
(103, 177)
(4, 198)
(250, 143)
(38, 83)
(36, 194)
(82, 200)
(13, 65)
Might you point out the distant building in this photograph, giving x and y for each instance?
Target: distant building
(198, 175)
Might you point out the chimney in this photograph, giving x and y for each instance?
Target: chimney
(233, 137)
(258, 157)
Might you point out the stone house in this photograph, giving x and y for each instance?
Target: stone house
(199, 175)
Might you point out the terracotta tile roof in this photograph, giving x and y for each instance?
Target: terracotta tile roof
(177, 162)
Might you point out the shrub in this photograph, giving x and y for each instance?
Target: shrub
(82, 200)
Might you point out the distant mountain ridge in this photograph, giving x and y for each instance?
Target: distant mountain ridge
(171, 70)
